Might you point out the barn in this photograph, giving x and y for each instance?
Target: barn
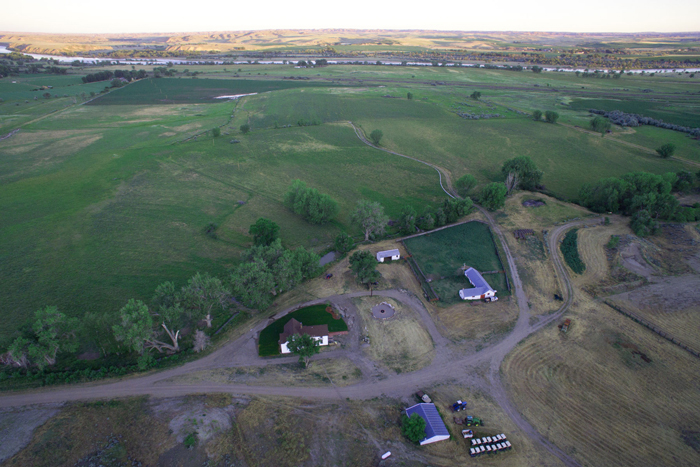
(481, 288)
(391, 254)
(318, 332)
(435, 429)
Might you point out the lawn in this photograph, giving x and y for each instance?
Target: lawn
(268, 344)
(441, 256)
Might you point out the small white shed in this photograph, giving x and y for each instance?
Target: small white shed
(391, 254)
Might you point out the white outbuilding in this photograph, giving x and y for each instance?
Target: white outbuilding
(391, 254)
(481, 288)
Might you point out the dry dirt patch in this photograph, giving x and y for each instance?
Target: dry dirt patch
(341, 371)
(401, 343)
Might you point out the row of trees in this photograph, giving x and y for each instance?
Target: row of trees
(108, 75)
(314, 207)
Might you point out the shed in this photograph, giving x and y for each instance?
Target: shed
(391, 254)
(481, 289)
(318, 332)
(435, 429)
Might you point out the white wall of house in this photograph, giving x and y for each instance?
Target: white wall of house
(490, 293)
(323, 341)
(393, 258)
(434, 439)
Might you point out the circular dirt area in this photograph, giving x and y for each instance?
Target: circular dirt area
(383, 311)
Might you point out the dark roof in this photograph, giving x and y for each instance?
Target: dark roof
(295, 327)
(434, 426)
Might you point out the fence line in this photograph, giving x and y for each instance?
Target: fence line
(653, 328)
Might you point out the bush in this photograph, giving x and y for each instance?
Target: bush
(551, 116)
(216, 132)
(666, 150)
(314, 207)
(465, 184)
(569, 249)
(537, 115)
(245, 128)
(376, 136)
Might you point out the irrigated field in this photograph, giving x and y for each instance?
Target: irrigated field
(442, 255)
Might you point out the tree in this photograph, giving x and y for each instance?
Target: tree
(666, 150)
(551, 117)
(369, 215)
(536, 69)
(245, 128)
(343, 243)
(303, 345)
(376, 136)
(363, 264)
(643, 224)
(537, 115)
(264, 231)
(684, 182)
(465, 184)
(315, 207)
(216, 132)
(252, 283)
(526, 173)
(426, 221)
(493, 196)
(600, 125)
(202, 293)
(413, 427)
(136, 326)
(201, 341)
(407, 221)
(476, 95)
(409, 96)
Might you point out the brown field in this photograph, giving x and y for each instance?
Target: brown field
(339, 371)
(590, 392)
(525, 452)
(401, 343)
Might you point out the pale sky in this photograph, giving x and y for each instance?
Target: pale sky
(130, 16)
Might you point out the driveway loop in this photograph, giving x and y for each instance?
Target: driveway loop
(383, 311)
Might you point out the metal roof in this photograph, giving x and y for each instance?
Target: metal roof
(388, 253)
(434, 426)
(479, 283)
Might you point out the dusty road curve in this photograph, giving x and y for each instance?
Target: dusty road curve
(241, 352)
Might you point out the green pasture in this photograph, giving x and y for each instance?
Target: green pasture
(190, 90)
(268, 342)
(101, 203)
(442, 254)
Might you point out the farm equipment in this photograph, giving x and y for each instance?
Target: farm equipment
(491, 299)
(329, 275)
(467, 434)
(459, 406)
(423, 397)
(565, 327)
(473, 421)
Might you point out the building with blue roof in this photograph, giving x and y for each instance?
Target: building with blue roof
(481, 289)
(435, 429)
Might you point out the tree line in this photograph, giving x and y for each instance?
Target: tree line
(107, 75)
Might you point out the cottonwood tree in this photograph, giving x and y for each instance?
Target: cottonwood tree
(202, 293)
(376, 136)
(667, 150)
(364, 265)
(315, 207)
(407, 220)
(370, 217)
(264, 231)
(343, 243)
(201, 341)
(139, 329)
(303, 345)
(465, 184)
(51, 333)
(526, 175)
(493, 196)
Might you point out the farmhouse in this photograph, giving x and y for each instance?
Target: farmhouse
(481, 289)
(319, 333)
(391, 254)
(435, 429)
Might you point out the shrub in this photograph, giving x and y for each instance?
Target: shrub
(216, 132)
(537, 115)
(666, 150)
(413, 427)
(245, 128)
(551, 116)
(376, 136)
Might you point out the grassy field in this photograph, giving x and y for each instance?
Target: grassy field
(268, 343)
(191, 90)
(441, 256)
(103, 202)
(401, 342)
